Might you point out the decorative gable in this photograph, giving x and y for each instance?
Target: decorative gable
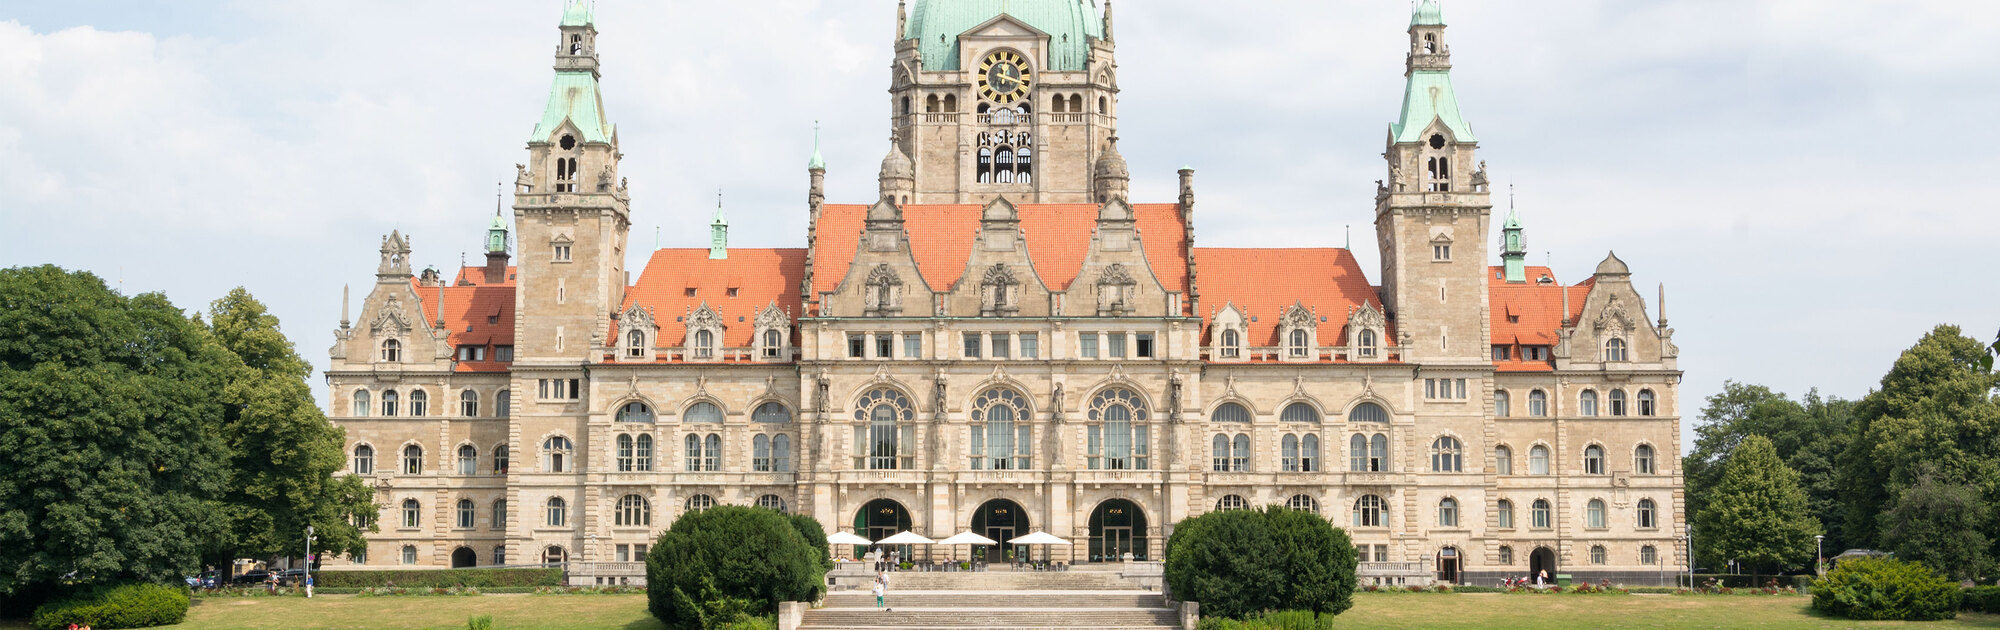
(1229, 335)
(704, 334)
(637, 334)
(774, 334)
(1298, 333)
(1367, 334)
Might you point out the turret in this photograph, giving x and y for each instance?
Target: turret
(1113, 179)
(1513, 250)
(496, 248)
(718, 233)
(899, 175)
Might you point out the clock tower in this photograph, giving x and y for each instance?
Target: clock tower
(1011, 99)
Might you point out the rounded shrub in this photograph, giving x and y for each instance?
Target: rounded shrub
(728, 564)
(1886, 588)
(128, 606)
(1984, 599)
(1238, 564)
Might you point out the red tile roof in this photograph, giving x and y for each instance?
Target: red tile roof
(473, 316)
(1265, 281)
(1530, 313)
(1058, 235)
(759, 276)
(477, 275)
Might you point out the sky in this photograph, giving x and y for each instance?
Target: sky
(1810, 180)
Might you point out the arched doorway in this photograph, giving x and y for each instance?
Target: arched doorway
(879, 519)
(463, 557)
(1117, 527)
(1000, 520)
(1542, 559)
(1448, 565)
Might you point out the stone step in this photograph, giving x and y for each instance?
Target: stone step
(1001, 599)
(988, 618)
(1010, 581)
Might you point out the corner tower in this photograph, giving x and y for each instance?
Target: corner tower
(1009, 99)
(571, 213)
(1432, 216)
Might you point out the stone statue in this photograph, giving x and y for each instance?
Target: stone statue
(937, 398)
(522, 180)
(1396, 175)
(821, 384)
(1056, 404)
(1174, 395)
(604, 180)
(1479, 177)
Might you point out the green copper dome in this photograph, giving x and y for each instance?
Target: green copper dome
(1427, 14)
(578, 14)
(936, 25)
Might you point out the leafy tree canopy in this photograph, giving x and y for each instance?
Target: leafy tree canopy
(1808, 435)
(1756, 512)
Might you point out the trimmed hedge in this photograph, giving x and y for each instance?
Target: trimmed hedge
(1240, 564)
(128, 606)
(731, 564)
(1888, 589)
(1282, 620)
(1744, 580)
(1984, 599)
(476, 578)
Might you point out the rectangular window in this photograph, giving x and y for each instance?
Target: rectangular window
(1381, 553)
(1031, 346)
(885, 346)
(503, 353)
(1461, 389)
(1430, 388)
(624, 553)
(1001, 343)
(1503, 353)
(1116, 349)
(857, 345)
(1087, 345)
(1145, 345)
(1440, 252)
(575, 392)
(913, 346)
(1535, 353)
(972, 345)
(562, 253)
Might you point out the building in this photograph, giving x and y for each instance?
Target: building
(1002, 341)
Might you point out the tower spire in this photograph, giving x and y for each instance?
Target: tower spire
(1513, 250)
(718, 232)
(817, 163)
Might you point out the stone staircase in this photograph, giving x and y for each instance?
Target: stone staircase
(997, 600)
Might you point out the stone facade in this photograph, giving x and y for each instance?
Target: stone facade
(1014, 356)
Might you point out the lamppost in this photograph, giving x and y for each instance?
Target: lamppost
(308, 575)
(1819, 555)
(1689, 538)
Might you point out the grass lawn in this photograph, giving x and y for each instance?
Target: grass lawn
(1371, 610)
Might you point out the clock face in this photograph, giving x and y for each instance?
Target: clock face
(1004, 77)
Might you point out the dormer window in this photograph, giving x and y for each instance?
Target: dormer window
(635, 344)
(1232, 344)
(773, 343)
(704, 334)
(1614, 350)
(392, 351)
(704, 343)
(1366, 347)
(1296, 347)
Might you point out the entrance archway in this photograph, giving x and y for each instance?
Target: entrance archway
(1542, 559)
(1000, 520)
(879, 519)
(1448, 565)
(1117, 527)
(463, 557)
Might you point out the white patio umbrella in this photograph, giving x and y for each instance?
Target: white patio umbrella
(846, 538)
(907, 538)
(966, 538)
(1040, 538)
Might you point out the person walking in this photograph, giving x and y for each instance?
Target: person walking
(880, 594)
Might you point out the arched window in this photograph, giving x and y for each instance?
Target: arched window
(503, 404)
(1368, 511)
(1357, 453)
(1504, 511)
(887, 440)
(412, 513)
(1586, 403)
(1300, 412)
(554, 555)
(1117, 436)
(771, 502)
(1368, 412)
(906, 106)
(703, 413)
(468, 459)
(1646, 514)
(1076, 103)
(1288, 450)
(774, 343)
(420, 403)
(1502, 406)
(951, 103)
(1230, 412)
(985, 165)
(1538, 460)
(1646, 407)
(1103, 105)
(781, 453)
(998, 442)
(704, 344)
(1593, 514)
(1231, 502)
(931, 104)
(1367, 343)
(642, 453)
(413, 460)
(699, 503)
(1614, 350)
(1597, 555)
(1503, 460)
(1232, 343)
(1448, 512)
(635, 344)
(1538, 404)
(1538, 514)
(633, 511)
(1297, 346)
(1649, 555)
(1593, 460)
(466, 513)
(1309, 453)
(625, 453)
(389, 401)
(1219, 453)
(1617, 397)
(361, 404)
(1303, 503)
(1378, 453)
(635, 412)
(468, 404)
(760, 453)
(556, 454)
(771, 412)
(557, 512)
(499, 520)
(392, 351)
(1447, 455)
(409, 554)
(1642, 459)
(364, 459)
(500, 459)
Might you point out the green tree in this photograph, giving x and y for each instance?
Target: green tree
(1808, 434)
(1935, 414)
(111, 463)
(283, 451)
(815, 535)
(1940, 525)
(720, 565)
(1317, 560)
(1228, 561)
(1756, 513)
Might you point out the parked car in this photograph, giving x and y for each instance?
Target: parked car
(251, 578)
(293, 577)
